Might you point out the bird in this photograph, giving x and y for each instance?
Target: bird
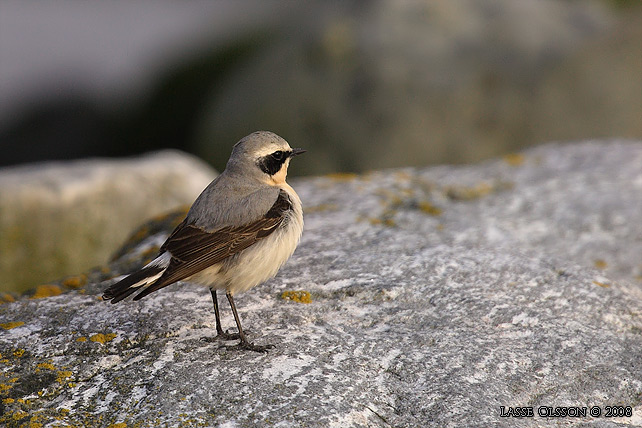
(237, 234)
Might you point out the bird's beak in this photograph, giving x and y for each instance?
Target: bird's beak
(297, 152)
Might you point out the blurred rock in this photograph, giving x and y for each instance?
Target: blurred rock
(62, 218)
(58, 128)
(367, 85)
(436, 295)
(362, 85)
(597, 92)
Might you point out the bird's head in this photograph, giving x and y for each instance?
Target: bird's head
(263, 155)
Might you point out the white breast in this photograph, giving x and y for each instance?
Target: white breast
(263, 260)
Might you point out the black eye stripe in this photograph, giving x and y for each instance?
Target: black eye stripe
(271, 164)
(280, 154)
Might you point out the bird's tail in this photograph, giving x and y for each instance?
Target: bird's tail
(136, 281)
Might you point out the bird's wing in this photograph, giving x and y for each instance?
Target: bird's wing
(194, 249)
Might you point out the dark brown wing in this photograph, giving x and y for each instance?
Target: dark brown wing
(194, 249)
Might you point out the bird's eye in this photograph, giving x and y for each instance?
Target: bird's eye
(278, 155)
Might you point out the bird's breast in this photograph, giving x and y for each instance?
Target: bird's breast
(263, 260)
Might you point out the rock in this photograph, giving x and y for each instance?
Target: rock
(436, 296)
(61, 218)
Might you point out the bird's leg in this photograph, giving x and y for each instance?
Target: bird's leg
(244, 344)
(220, 334)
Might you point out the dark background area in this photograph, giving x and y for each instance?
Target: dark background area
(361, 85)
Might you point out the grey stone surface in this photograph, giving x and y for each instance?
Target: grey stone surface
(61, 218)
(437, 296)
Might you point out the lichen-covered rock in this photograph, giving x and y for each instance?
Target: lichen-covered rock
(418, 297)
(61, 218)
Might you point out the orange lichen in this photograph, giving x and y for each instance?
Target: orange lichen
(297, 296)
(382, 221)
(48, 366)
(6, 298)
(429, 208)
(468, 193)
(602, 284)
(19, 414)
(403, 175)
(46, 290)
(102, 338)
(76, 281)
(514, 159)
(600, 264)
(63, 375)
(10, 325)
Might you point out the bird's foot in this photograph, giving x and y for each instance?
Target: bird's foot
(245, 345)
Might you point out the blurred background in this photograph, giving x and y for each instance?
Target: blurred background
(360, 84)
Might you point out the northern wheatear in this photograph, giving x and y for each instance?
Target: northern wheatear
(241, 229)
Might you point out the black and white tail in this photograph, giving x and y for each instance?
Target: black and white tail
(137, 281)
